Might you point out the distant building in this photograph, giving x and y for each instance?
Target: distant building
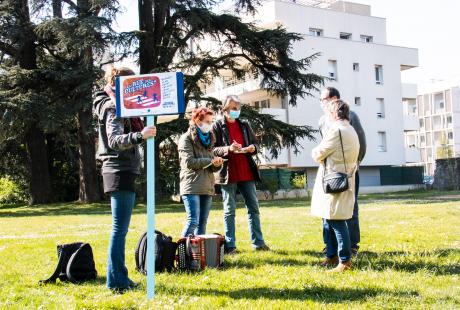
(438, 109)
(367, 71)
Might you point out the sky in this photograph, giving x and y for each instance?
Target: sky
(431, 26)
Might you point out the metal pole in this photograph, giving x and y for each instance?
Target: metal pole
(150, 213)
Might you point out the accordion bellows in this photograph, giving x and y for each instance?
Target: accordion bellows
(198, 252)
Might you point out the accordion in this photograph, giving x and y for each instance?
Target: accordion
(195, 253)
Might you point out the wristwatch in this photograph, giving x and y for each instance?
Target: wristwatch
(139, 137)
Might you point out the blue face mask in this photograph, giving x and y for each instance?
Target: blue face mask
(234, 114)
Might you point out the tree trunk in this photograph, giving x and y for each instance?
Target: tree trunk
(89, 187)
(146, 39)
(39, 178)
(88, 183)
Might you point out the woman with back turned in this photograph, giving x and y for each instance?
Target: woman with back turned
(337, 152)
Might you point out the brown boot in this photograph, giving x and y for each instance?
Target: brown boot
(341, 267)
(333, 261)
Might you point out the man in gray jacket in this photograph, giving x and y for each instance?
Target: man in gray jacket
(329, 94)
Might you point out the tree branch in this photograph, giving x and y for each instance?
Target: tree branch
(8, 49)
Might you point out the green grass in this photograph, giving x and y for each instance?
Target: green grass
(410, 258)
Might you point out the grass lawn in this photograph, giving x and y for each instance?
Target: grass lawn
(410, 258)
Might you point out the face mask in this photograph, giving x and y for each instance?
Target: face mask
(205, 127)
(234, 114)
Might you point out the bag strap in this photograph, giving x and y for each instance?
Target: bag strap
(343, 153)
(343, 156)
(58, 269)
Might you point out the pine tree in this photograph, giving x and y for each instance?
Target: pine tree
(20, 95)
(168, 27)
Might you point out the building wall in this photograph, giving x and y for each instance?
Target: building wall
(350, 82)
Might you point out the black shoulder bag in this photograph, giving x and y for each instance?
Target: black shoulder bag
(335, 182)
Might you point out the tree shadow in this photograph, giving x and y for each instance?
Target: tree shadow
(76, 208)
(409, 262)
(312, 293)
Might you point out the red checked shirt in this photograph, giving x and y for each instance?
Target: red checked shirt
(238, 164)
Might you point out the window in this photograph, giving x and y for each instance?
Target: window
(355, 66)
(378, 74)
(345, 36)
(380, 108)
(358, 101)
(262, 104)
(367, 39)
(316, 32)
(450, 135)
(382, 141)
(421, 123)
(449, 120)
(422, 140)
(265, 104)
(332, 67)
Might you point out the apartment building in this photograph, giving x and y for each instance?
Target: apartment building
(438, 109)
(359, 62)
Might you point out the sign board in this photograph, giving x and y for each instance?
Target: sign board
(150, 94)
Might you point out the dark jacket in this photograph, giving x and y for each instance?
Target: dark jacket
(118, 147)
(356, 124)
(221, 148)
(193, 157)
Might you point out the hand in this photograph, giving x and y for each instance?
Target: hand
(217, 161)
(149, 132)
(235, 146)
(251, 148)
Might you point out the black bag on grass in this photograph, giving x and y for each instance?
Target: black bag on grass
(75, 263)
(165, 253)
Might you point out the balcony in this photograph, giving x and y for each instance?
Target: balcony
(412, 155)
(411, 122)
(237, 89)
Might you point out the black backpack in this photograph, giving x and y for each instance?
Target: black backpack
(165, 253)
(75, 263)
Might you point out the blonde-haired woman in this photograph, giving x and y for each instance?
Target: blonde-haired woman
(337, 152)
(118, 149)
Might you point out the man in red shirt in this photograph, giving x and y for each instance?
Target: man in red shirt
(236, 141)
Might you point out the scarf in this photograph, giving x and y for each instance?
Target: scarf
(136, 123)
(205, 138)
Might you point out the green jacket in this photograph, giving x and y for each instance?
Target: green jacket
(193, 157)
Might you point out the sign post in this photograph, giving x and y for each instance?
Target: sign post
(150, 95)
(151, 213)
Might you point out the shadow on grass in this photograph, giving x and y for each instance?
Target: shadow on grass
(396, 260)
(75, 208)
(80, 209)
(410, 262)
(315, 293)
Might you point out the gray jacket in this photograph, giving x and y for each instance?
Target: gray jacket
(356, 124)
(118, 147)
(193, 157)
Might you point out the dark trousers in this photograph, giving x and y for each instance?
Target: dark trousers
(353, 223)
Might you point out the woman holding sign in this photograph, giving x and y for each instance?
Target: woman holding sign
(197, 166)
(118, 149)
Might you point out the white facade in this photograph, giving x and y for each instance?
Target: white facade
(438, 110)
(365, 70)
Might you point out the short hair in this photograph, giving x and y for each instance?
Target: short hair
(112, 73)
(332, 92)
(199, 114)
(228, 99)
(340, 109)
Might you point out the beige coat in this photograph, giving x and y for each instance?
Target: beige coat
(335, 206)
